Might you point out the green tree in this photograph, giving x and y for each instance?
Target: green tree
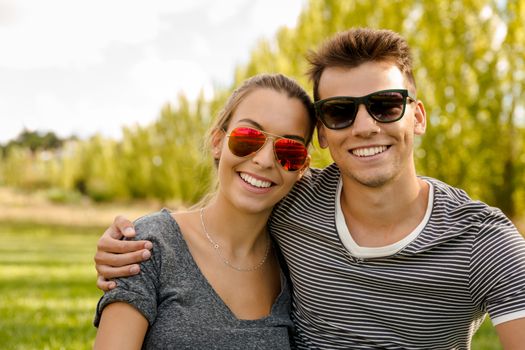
(470, 71)
(471, 58)
(35, 140)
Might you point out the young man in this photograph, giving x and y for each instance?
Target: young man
(379, 257)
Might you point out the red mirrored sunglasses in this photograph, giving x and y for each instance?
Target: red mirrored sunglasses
(290, 154)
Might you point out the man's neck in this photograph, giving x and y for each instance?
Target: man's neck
(380, 216)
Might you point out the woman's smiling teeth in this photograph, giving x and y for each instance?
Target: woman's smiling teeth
(369, 151)
(255, 182)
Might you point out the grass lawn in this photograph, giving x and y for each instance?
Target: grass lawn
(48, 293)
(47, 286)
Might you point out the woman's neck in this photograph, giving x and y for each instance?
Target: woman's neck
(239, 231)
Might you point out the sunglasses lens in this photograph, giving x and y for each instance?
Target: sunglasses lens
(290, 154)
(245, 141)
(387, 106)
(337, 114)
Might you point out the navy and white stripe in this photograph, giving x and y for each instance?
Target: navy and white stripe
(432, 294)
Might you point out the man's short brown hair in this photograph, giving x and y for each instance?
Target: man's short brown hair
(356, 46)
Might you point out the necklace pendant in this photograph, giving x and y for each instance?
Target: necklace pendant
(227, 262)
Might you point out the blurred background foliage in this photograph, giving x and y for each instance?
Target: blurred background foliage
(469, 59)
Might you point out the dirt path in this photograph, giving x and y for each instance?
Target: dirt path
(17, 206)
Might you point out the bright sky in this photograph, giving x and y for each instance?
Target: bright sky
(86, 66)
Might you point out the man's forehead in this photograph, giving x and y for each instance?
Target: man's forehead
(361, 80)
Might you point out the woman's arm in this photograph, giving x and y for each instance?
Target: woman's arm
(121, 327)
(512, 334)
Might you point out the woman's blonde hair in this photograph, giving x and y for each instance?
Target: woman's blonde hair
(277, 82)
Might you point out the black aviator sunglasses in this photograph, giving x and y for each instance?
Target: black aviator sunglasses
(385, 106)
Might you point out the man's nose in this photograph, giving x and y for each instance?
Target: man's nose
(364, 125)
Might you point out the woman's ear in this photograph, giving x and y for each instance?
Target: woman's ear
(217, 138)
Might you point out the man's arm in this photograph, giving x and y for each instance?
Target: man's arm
(512, 334)
(118, 258)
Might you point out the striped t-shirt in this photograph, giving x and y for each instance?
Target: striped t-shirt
(431, 292)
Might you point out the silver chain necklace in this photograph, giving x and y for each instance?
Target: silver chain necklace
(227, 262)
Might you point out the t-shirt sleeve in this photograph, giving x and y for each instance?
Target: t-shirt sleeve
(141, 291)
(498, 269)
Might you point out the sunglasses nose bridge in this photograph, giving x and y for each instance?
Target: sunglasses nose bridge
(362, 110)
(265, 155)
(364, 121)
(360, 104)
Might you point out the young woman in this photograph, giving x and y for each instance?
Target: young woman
(214, 280)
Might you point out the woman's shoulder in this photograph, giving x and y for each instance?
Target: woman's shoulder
(155, 225)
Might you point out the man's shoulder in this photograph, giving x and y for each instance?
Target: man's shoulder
(316, 185)
(452, 197)
(446, 191)
(454, 205)
(316, 189)
(319, 177)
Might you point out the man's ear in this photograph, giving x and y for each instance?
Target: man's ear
(420, 121)
(217, 137)
(321, 135)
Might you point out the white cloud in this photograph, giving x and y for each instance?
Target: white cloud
(80, 67)
(57, 32)
(267, 15)
(161, 80)
(220, 11)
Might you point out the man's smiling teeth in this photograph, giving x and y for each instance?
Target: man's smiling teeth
(255, 182)
(370, 151)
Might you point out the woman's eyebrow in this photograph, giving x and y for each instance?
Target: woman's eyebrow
(259, 126)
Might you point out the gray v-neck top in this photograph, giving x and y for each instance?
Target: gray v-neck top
(183, 310)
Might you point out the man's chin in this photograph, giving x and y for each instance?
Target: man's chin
(374, 181)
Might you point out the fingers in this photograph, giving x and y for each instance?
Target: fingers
(121, 227)
(116, 257)
(104, 284)
(112, 245)
(108, 272)
(121, 260)
(111, 265)
(124, 226)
